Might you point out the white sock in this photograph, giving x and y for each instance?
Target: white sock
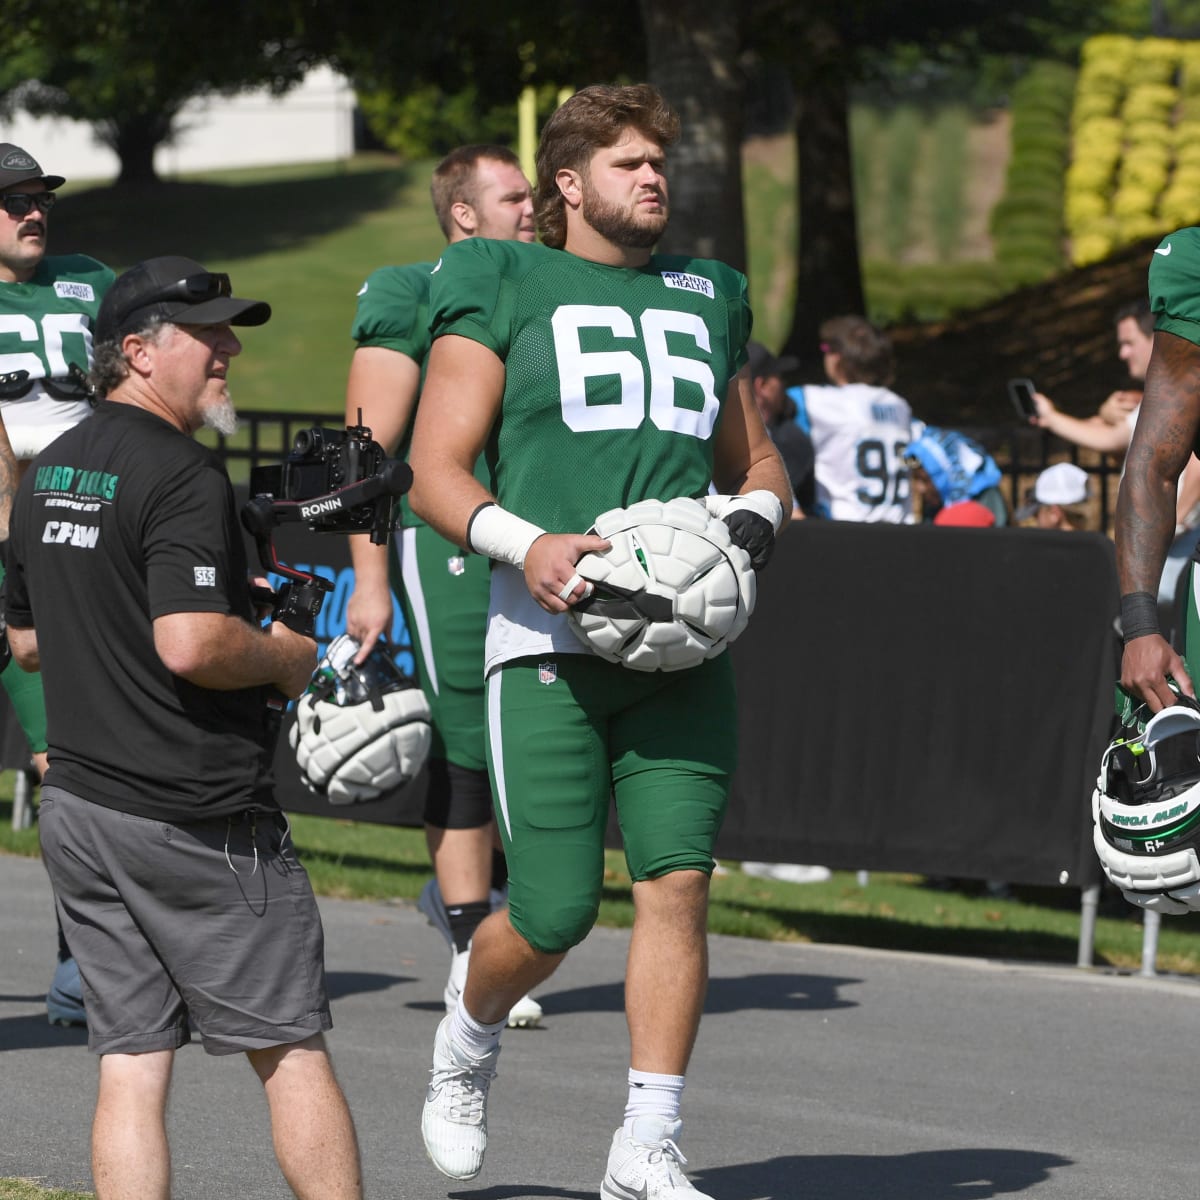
(476, 1039)
(652, 1095)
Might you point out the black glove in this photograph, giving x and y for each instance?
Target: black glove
(753, 533)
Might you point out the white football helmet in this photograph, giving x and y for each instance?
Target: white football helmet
(671, 592)
(1146, 811)
(359, 731)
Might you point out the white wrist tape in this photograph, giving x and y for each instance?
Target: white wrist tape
(501, 535)
(762, 501)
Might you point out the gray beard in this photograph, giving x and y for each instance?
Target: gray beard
(222, 418)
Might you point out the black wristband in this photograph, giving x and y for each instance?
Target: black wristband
(471, 521)
(1139, 615)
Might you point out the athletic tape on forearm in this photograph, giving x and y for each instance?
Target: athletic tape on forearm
(761, 501)
(501, 535)
(1139, 615)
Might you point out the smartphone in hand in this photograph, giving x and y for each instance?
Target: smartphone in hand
(1020, 392)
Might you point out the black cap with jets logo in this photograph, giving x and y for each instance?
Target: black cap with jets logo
(18, 166)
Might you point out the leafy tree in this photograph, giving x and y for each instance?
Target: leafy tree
(693, 52)
(129, 66)
(831, 46)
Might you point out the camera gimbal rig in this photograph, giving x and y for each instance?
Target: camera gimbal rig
(333, 481)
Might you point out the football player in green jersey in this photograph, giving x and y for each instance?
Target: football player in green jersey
(593, 374)
(48, 308)
(478, 191)
(1166, 435)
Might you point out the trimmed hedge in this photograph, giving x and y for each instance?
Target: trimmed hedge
(1135, 152)
(1027, 224)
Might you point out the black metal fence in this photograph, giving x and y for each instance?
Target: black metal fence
(1021, 453)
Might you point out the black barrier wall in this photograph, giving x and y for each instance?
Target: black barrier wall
(911, 699)
(926, 699)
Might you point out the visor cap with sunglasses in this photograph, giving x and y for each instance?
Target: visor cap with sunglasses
(178, 290)
(18, 166)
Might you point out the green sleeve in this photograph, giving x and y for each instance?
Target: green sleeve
(741, 320)
(469, 296)
(1175, 284)
(393, 310)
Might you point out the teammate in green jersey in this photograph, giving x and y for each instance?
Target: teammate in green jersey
(48, 308)
(592, 374)
(478, 191)
(1166, 434)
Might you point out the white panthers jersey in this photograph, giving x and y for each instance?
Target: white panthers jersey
(859, 433)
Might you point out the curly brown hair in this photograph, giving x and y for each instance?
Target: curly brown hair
(590, 120)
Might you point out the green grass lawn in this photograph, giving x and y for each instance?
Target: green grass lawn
(26, 1189)
(303, 238)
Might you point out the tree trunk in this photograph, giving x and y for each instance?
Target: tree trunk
(828, 273)
(691, 49)
(134, 140)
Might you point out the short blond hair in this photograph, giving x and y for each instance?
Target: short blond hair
(454, 179)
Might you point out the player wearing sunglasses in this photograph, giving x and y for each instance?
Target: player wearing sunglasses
(48, 307)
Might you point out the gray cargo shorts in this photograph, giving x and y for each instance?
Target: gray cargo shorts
(209, 925)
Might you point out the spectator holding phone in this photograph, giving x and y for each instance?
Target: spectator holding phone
(1110, 431)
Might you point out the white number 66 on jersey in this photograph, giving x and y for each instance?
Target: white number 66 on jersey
(576, 366)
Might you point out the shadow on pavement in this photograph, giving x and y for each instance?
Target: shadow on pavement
(776, 993)
(930, 1175)
(350, 983)
(34, 1032)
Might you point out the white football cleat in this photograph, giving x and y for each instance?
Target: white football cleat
(648, 1164)
(525, 1014)
(454, 1120)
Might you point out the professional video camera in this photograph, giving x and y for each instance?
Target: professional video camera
(334, 481)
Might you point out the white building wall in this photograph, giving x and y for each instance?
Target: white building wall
(314, 122)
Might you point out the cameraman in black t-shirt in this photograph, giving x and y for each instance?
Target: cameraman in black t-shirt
(176, 881)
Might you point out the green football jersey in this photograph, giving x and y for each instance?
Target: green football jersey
(46, 324)
(615, 377)
(392, 312)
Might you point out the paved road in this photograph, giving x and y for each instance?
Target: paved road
(823, 1072)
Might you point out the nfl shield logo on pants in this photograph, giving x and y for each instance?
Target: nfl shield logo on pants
(547, 672)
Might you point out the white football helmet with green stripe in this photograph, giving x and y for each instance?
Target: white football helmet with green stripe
(1146, 811)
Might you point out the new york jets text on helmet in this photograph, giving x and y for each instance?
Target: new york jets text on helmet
(359, 731)
(1146, 811)
(671, 592)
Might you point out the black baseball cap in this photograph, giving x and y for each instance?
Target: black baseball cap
(178, 290)
(17, 166)
(763, 363)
